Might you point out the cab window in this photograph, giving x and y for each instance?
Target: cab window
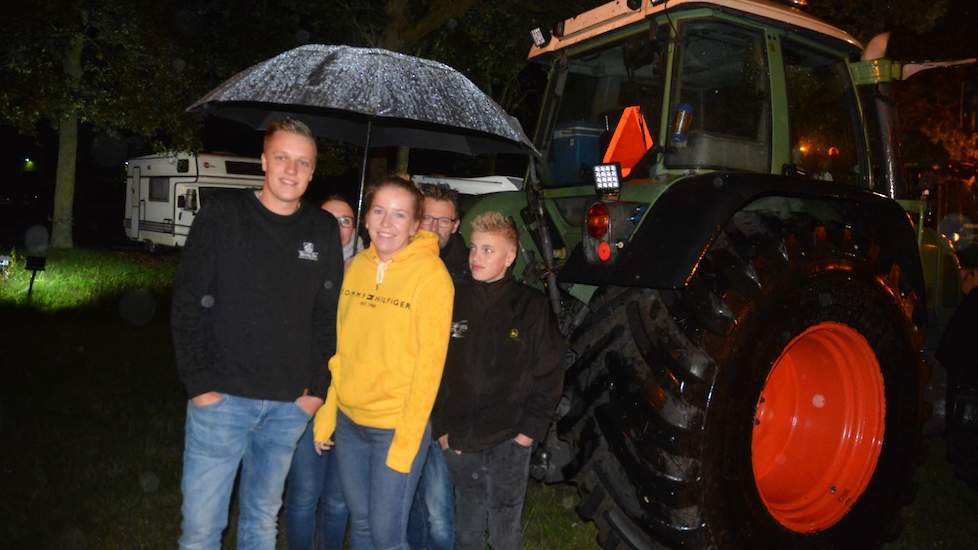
(823, 116)
(720, 107)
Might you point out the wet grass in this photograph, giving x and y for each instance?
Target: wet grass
(91, 426)
(78, 278)
(944, 512)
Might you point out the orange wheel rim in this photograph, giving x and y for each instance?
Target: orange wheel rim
(818, 427)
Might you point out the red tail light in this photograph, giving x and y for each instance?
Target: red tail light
(598, 220)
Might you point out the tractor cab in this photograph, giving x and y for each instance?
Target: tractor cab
(644, 95)
(700, 88)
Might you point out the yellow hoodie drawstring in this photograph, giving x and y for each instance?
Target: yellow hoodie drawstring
(381, 269)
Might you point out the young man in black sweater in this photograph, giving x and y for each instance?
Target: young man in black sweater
(254, 324)
(501, 384)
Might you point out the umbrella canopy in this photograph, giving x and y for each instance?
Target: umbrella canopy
(339, 91)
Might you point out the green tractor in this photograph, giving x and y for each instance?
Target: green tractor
(721, 216)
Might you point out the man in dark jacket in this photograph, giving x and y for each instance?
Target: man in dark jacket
(432, 520)
(501, 384)
(442, 216)
(254, 324)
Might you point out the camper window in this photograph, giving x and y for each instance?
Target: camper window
(243, 168)
(159, 189)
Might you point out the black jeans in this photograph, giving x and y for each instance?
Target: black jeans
(490, 487)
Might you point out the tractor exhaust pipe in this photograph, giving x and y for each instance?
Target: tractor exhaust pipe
(890, 180)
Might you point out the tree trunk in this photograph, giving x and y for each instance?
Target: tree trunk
(64, 187)
(377, 166)
(403, 156)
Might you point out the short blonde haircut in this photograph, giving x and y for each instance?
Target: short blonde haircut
(291, 126)
(494, 222)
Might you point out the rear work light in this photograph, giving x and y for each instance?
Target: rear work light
(540, 37)
(598, 220)
(607, 178)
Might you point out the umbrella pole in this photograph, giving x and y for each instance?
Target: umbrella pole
(363, 178)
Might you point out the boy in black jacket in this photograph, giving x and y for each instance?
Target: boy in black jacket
(501, 384)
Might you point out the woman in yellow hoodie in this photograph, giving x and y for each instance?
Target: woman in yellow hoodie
(392, 330)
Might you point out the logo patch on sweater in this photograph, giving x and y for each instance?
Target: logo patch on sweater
(459, 329)
(514, 334)
(308, 252)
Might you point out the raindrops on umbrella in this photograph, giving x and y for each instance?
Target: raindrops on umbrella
(369, 97)
(137, 307)
(339, 90)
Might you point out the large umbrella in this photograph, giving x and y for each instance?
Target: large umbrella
(369, 97)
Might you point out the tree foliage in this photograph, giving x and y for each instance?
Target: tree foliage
(132, 75)
(867, 18)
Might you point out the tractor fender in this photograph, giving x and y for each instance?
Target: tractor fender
(681, 225)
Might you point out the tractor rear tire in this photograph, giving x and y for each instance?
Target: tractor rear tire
(775, 401)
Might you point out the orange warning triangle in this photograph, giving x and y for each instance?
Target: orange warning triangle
(630, 141)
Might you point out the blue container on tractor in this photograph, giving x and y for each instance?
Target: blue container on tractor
(575, 150)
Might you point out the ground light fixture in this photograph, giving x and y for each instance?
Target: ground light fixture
(34, 264)
(607, 178)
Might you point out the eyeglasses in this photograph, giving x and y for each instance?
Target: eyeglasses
(441, 222)
(345, 221)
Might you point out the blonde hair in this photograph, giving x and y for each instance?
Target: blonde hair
(494, 222)
(291, 126)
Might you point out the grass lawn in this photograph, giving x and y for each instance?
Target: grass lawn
(81, 278)
(91, 422)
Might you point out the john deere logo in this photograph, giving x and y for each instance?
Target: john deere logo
(514, 334)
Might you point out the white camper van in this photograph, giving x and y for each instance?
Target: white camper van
(164, 192)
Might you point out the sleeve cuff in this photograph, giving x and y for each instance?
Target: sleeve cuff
(536, 429)
(324, 424)
(399, 456)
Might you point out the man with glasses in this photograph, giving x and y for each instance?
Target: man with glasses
(432, 521)
(442, 217)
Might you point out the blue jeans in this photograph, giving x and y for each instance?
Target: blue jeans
(379, 498)
(432, 522)
(314, 480)
(260, 436)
